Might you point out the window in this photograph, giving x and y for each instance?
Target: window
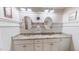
(8, 12)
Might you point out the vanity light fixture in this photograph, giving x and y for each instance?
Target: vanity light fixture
(29, 9)
(51, 11)
(22, 9)
(46, 10)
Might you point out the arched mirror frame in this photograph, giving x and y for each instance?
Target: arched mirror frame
(27, 22)
(48, 23)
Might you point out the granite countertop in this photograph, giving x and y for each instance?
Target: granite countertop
(41, 36)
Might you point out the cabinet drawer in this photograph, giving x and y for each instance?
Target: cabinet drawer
(23, 47)
(37, 41)
(23, 41)
(51, 40)
(50, 46)
(38, 47)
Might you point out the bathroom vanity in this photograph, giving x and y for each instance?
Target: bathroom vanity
(41, 42)
(40, 37)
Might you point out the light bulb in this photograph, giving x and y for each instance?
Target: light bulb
(28, 9)
(51, 11)
(46, 10)
(22, 9)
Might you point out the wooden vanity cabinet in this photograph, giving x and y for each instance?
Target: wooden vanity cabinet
(57, 44)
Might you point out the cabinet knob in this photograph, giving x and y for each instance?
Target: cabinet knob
(51, 43)
(24, 45)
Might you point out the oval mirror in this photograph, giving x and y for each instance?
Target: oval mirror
(27, 22)
(48, 23)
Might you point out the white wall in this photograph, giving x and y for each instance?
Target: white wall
(6, 34)
(72, 27)
(8, 28)
(56, 16)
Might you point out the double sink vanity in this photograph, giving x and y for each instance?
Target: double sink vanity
(40, 37)
(41, 42)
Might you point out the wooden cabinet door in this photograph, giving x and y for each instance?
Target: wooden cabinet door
(65, 44)
(38, 47)
(51, 46)
(24, 47)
